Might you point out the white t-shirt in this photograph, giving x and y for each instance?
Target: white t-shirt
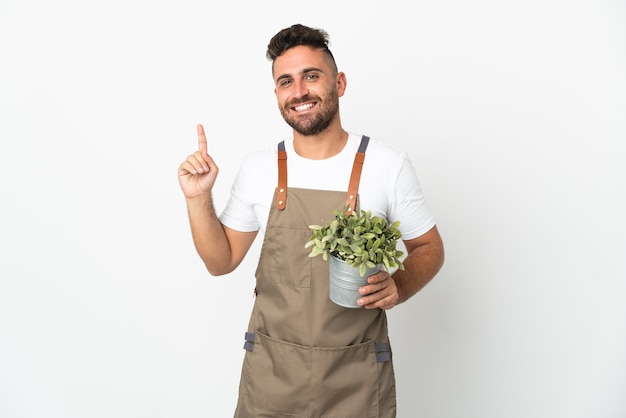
(388, 187)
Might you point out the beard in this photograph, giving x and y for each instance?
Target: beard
(313, 124)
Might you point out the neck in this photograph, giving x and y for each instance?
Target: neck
(321, 146)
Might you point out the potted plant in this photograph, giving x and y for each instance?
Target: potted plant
(359, 245)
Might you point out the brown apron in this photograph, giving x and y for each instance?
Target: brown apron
(306, 356)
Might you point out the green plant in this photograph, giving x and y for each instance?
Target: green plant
(360, 240)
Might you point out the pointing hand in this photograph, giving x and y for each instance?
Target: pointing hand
(198, 172)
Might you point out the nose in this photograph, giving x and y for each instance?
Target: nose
(300, 89)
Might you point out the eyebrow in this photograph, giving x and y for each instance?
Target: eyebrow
(304, 71)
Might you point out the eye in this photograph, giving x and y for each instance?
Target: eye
(312, 77)
(284, 82)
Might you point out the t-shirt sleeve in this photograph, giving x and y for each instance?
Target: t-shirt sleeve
(409, 205)
(239, 212)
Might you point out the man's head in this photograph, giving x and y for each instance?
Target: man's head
(307, 83)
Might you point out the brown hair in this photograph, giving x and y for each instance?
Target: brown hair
(297, 35)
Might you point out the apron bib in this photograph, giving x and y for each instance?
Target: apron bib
(306, 356)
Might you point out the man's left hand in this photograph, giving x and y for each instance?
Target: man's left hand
(380, 292)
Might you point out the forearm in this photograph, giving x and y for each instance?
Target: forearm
(420, 266)
(208, 235)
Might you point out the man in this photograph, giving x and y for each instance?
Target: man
(306, 356)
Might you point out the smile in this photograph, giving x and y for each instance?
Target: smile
(303, 107)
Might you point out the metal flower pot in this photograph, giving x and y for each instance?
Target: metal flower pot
(345, 282)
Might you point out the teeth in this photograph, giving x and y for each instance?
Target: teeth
(302, 107)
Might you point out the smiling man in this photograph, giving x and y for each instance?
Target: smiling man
(305, 355)
(298, 94)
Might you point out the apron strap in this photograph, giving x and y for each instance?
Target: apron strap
(355, 177)
(281, 191)
(353, 186)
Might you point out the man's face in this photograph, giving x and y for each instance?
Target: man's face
(307, 89)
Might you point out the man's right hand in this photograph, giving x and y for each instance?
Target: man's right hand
(198, 172)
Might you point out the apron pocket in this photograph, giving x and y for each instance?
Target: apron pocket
(346, 381)
(299, 381)
(278, 378)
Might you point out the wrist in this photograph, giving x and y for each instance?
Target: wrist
(200, 202)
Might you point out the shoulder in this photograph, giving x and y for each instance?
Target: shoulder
(262, 156)
(380, 154)
(258, 163)
(382, 150)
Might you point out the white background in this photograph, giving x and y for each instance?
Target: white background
(513, 114)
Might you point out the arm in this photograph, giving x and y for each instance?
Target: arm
(221, 248)
(424, 260)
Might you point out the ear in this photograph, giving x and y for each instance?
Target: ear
(342, 82)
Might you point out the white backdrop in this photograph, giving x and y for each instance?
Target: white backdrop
(513, 113)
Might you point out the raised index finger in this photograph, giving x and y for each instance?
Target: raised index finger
(202, 147)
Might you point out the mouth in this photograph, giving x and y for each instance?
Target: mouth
(303, 107)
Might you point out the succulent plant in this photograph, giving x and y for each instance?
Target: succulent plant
(360, 240)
